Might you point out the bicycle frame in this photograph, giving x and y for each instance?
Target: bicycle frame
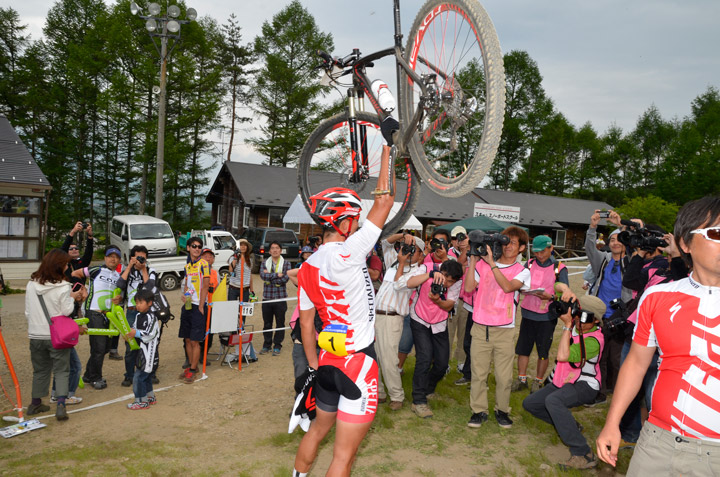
(362, 87)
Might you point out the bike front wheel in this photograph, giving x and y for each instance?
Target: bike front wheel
(454, 48)
(327, 161)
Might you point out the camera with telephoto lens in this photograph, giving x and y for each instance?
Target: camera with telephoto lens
(479, 239)
(641, 237)
(140, 259)
(616, 323)
(460, 237)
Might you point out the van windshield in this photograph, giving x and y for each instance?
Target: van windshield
(150, 231)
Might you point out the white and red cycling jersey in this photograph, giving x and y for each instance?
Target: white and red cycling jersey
(682, 319)
(335, 281)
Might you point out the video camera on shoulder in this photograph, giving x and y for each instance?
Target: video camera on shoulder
(558, 308)
(641, 237)
(478, 240)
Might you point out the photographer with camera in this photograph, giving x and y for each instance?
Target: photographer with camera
(437, 290)
(576, 377)
(137, 275)
(77, 262)
(680, 320)
(537, 325)
(459, 245)
(392, 305)
(499, 277)
(609, 268)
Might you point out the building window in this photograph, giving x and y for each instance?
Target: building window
(219, 218)
(20, 221)
(560, 238)
(275, 217)
(294, 227)
(235, 216)
(246, 217)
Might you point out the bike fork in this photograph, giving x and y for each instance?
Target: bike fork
(358, 137)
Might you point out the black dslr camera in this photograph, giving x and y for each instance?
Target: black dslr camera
(437, 244)
(408, 249)
(558, 308)
(641, 237)
(460, 237)
(140, 259)
(478, 240)
(616, 323)
(437, 289)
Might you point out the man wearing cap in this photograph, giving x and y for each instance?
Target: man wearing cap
(392, 305)
(609, 268)
(456, 324)
(537, 326)
(103, 282)
(575, 379)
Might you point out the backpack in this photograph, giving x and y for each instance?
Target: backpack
(161, 307)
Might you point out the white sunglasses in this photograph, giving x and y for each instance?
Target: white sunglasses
(710, 233)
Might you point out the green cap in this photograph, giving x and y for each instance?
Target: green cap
(540, 243)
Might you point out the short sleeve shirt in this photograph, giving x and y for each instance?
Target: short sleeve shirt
(195, 272)
(682, 319)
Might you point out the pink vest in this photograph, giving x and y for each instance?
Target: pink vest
(492, 306)
(564, 373)
(424, 307)
(541, 277)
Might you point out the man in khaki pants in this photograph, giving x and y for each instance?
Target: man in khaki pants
(493, 319)
(392, 304)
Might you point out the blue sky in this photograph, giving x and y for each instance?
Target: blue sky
(604, 62)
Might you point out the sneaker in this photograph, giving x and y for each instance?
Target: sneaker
(276, 352)
(102, 384)
(127, 382)
(252, 360)
(462, 381)
(137, 405)
(53, 399)
(581, 462)
(61, 413)
(396, 405)
(599, 399)
(519, 385)
(155, 380)
(37, 409)
(114, 355)
(478, 419)
(422, 410)
(535, 386)
(503, 419)
(190, 377)
(151, 400)
(265, 351)
(70, 400)
(460, 367)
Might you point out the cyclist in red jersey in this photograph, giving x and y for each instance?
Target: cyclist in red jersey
(335, 282)
(682, 320)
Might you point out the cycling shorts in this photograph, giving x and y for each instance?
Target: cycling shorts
(362, 368)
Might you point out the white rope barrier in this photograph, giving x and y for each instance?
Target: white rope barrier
(573, 259)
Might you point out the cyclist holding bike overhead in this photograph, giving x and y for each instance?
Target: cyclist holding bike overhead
(335, 282)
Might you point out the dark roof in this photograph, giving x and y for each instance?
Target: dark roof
(17, 166)
(272, 186)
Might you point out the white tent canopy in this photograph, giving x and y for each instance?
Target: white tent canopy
(297, 214)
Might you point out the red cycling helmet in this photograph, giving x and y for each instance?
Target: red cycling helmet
(332, 205)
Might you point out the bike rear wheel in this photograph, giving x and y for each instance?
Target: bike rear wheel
(326, 161)
(454, 43)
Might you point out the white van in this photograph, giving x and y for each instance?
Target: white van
(126, 231)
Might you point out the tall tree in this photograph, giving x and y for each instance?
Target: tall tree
(237, 59)
(653, 136)
(287, 83)
(13, 42)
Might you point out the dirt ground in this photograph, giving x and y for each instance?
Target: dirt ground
(235, 423)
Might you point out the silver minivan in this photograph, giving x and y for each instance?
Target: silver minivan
(126, 231)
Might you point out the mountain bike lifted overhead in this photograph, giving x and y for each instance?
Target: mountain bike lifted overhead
(451, 95)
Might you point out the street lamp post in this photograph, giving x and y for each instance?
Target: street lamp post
(169, 27)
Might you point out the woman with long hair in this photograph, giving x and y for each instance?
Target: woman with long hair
(49, 282)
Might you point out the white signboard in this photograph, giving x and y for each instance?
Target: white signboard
(506, 213)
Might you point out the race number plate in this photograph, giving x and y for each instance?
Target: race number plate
(332, 339)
